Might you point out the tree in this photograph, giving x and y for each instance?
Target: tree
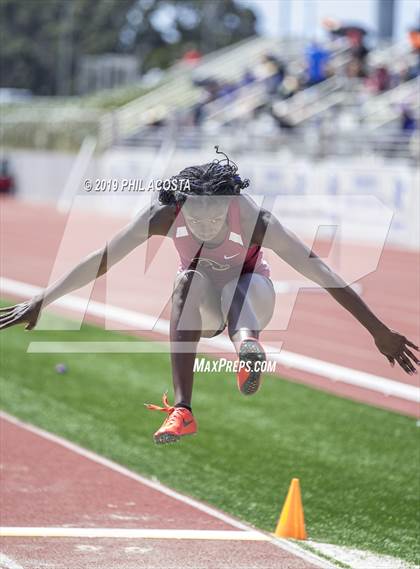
(42, 41)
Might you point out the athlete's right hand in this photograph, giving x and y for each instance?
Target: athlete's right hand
(27, 311)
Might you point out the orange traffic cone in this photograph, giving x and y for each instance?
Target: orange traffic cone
(292, 522)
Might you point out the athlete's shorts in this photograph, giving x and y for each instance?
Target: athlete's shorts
(211, 309)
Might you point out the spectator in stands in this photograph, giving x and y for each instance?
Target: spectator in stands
(353, 69)
(317, 59)
(289, 87)
(380, 80)
(210, 88)
(209, 93)
(414, 37)
(191, 56)
(337, 30)
(271, 71)
(359, 52)
(408, 123)
(247, 78)
(278, 70)
(7, 179)
(356, 38)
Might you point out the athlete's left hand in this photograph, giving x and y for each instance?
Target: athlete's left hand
(394, 347)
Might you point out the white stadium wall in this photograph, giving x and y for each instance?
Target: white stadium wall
(367, 199)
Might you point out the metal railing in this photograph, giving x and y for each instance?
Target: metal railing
(178, 93)
(385, 108)
(315, 142)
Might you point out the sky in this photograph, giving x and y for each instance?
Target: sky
(305, 16)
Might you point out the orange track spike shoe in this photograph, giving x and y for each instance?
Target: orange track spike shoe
(178, 423)
(251, 356)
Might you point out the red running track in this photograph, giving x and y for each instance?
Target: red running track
(33, 235)
(47, 482)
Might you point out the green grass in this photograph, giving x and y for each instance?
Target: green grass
(358, 466)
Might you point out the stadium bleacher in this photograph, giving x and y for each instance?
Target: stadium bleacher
(364, 117)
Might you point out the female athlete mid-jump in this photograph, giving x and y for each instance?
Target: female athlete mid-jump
(223, 280)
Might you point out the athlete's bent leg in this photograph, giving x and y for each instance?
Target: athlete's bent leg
(249, 305)
(195, 312)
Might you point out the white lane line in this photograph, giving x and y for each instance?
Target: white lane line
(213, 512)
(8, 563)
(117, 533)
(334, 372)
(291, 360)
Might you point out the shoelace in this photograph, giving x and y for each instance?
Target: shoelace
(172, 411)
(166, 407)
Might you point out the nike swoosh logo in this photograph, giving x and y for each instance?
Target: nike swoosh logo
(227, 257)
(186, 423)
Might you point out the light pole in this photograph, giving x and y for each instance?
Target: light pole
(65, 50)
(385, 10)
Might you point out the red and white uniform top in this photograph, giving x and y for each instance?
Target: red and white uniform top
(223, 263)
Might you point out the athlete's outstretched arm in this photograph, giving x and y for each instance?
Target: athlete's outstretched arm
(291, 249)
(154, 220)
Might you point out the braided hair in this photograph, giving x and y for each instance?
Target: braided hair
(219, 178)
